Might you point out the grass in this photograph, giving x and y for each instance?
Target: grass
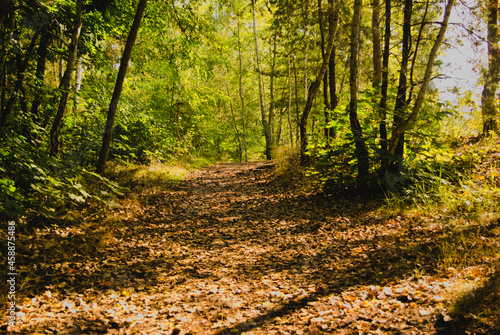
(459, 190)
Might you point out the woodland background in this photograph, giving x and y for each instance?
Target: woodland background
(347, 86)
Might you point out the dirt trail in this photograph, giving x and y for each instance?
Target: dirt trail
(228, 251)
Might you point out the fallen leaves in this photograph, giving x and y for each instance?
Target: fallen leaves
(227, 252)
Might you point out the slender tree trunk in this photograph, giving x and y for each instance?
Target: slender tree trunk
(326, 113)
(272, 107)
(377, 52)
(3, 55)
(236, 131)
(265, 124)
(61, 58)
(332, 78)
(78, 82)
(290, 100)
(488, 99)
(415, 112)
(55, 131)
(40, 74)
(23, 65)
(361, 148)
(297, 109)
(313, 90)
(127, 52)
(385, 83)
(241, 93)
(415, 53)
(400, 108)
(322, 44)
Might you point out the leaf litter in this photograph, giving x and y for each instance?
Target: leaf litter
(233, 250)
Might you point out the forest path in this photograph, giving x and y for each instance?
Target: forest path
(230, 250)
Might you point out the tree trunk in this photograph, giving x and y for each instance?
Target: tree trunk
(297, 109)
(385, 84)
(415, 112)
(313, 89)
(272, 106)
(290, 100)
(40, 74)
(78, 82)
(23, 65)
(489, 105)
(3, 55)
(127, 52)
(322, 44)
(326, 113)
(377, 52)
(333, 82)
(241, 94)
(55, 131)
(361, 148)
(332, 74)
(265, 124)
(400, 108)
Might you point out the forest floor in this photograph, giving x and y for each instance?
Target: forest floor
(235, 249)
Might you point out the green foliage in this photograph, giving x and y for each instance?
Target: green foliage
(34, 185)
(439, 180)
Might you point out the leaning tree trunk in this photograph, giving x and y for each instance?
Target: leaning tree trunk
(313, 89)
(55, 131)
(489, 105)
(265, 124)
(127, 52)
(360, 142)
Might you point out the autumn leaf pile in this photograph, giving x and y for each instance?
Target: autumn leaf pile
(229, 250)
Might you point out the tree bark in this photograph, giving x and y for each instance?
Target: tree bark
(400, 107)
(241, 93)
(313, 89)
(40, 73)
(265, 124)
(127, 52)
(55, 131)
(272, 106)
(385, 83)
(361, 148)
(332, 77)
(23, 65)
(290, 100)
(488, 99)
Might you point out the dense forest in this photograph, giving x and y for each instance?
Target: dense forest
(109, 106)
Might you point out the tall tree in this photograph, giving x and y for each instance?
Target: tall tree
(332, 74)
(127, 52)
(361, 152)
(65, 85)
(240, 90)
(265, 124)
(402, 127)
(313, 89)
(401, 102)
(385, 82)
(488, 98)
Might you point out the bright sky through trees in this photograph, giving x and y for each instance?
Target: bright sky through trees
(465, 57)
